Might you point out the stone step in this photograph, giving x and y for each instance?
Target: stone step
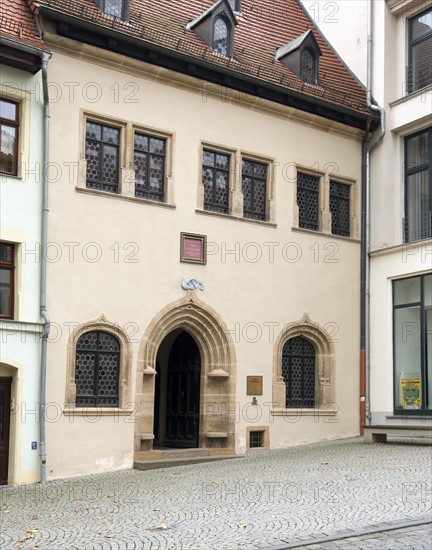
(179, 461)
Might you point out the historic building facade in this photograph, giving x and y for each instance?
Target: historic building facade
(204, 241)
(21, 175)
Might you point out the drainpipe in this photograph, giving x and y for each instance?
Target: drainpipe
(368, 147)
(44, 238)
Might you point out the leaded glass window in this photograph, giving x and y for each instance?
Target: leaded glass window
(340, 208)
(115, 8)
(220, 36)
(215, 178)
(298, 372)
(149, 165)
(254, 187)
(102, 156)
(97, 367)
(308, 66)
(308, 200)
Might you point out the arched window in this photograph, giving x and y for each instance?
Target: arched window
(308, 66)
(298, 372)
(97, 366)
(221, 36)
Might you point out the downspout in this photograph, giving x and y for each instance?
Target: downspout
(368, 147)
(44, 238)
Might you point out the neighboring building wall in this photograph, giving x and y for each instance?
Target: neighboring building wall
(21, 226)
(118, 257)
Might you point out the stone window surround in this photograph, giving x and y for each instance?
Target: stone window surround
(324, 214)
(324, 368)
(23, 99)
(235, 200)
(266, 437)
(125, 395)
(126, 187)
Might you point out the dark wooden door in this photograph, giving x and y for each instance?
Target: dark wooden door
(5, 396)
(183, 393)
(156, 404)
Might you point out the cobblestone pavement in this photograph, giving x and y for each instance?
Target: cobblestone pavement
(269, 499)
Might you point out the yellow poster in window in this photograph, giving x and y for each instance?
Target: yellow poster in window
(411, 393)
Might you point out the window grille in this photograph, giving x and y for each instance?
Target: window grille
(307, 200)
(220, 36)
(102, 156)
(256, 439)
(308, 67)
(340, 208)
(215, 178)
(97, 367)
(298, 371)
(149, 165)
(254, 187)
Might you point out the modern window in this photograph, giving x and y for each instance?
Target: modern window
(97, 366)
(412, 344)
(419, 70)
(417, 224)
(340, 208)
(308, 63)
(298, 372)
(254, 187)
(215, 179)
(7, 277)
(9, 130)
(102, 152)
(221, 36)
(308, 200)
(149, 165)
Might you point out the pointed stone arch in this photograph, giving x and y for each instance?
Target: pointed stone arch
(218, 371)
(324, 356)
(102, 323)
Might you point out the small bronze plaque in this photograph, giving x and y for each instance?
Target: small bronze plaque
(254, 385)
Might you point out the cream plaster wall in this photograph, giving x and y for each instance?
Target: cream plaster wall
(319, 274)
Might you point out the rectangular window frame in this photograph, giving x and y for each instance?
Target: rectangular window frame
(97, 185)
(320, 177)
(423, 227)
(341, 232)
(213, 207)
(257, 160)
(423, 350)
(13, 124)
(412, 85)
(11, 268)
(167, 178)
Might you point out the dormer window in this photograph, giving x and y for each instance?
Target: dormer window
(220, 36)
(216, 27)
(115, 8)
(301, 55)
(308, 66)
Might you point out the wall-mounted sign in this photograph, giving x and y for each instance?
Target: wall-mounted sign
(254, 385)
(193, 248)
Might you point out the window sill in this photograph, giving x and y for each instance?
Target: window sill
(124, 197)
(411, 95)
(327, 235)
(235, 218)
(303, 412)
(97, 411)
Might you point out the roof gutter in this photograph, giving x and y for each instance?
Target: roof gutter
(368, 147)
(108, 39)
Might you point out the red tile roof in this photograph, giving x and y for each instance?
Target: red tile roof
(263, 28)
(17, 22)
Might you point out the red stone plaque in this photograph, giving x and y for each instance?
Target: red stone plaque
(193, 248)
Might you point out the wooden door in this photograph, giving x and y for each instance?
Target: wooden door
(5, 397)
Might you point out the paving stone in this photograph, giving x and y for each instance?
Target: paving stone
(268, 500)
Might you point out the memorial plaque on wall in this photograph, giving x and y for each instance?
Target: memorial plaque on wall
(254, 385)
(193, 248)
